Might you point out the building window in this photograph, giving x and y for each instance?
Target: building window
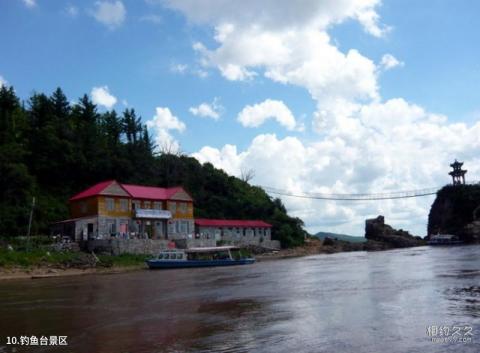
(110, 204)
(135, 204)
(146, 204)
(157, 205)
(172, 207)
(183, 227)
(112, 229)
(182, 207)
(123, 205)
(171, 227)
(177, 227)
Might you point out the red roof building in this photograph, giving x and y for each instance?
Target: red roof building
(112, 209)
(134, 191)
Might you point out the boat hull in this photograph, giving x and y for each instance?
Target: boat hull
(164, 264)
(453, 242)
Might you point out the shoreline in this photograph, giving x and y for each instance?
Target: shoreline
(16, 273)
(311, 247)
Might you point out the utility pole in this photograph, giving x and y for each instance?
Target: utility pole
(30, 223)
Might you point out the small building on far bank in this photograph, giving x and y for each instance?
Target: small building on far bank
(236, 232)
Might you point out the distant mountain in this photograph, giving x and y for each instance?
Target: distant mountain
(344, 237)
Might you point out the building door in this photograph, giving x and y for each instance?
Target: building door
(148, 230)
(90, 231)
(218, 234)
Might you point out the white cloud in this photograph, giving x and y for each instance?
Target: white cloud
(387, 146)
(110, 13)
(71, 10)
(179, 68)
(207, 110)
(30, 3)
(389, 62)
(364, 144)
(161, 124)
(297, 52)
(3, 82)
(102, 96)
(280, 14)
(256, 115)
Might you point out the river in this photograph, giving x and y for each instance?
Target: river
(390, 301)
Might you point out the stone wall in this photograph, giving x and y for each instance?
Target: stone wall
(195, 243)
(127, 246)
(154, 246)
(142, 246)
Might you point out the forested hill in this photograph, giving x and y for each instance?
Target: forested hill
(52, 149)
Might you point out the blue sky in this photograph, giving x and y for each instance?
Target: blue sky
(337, 97)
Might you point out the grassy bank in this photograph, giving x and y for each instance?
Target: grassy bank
(37, 252)
(65, 259)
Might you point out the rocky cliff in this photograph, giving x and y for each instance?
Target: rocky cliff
(376, 230)
(456, 210)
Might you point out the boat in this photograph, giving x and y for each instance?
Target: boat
(199, 257)
(444, 239)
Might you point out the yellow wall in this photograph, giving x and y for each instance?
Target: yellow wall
(97, 205)
(178, 212)
(84, 207)
(117, 211)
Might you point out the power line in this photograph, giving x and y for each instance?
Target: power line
(356, 197)
(361, 196)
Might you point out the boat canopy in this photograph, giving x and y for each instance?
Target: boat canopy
(212, 249)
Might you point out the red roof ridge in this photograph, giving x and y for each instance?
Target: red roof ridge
(94, 190)
(133, 190)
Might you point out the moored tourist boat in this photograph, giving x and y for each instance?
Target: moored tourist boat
(199, 257)
(444, 239)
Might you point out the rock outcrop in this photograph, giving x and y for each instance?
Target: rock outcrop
(376, 230)
(456, 210)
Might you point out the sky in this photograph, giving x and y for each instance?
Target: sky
(313, 96)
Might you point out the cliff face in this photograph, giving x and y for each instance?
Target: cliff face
(378, 231)
(456, 210)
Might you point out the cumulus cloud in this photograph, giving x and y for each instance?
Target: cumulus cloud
(280, 14)
(389, 146)
(207, 110)
(30, 3)
(3, 82)
(161, 124)
(389, 62)
(287, 42)
(364, 144)
(110, 13)
(102, 96)
(255, 115)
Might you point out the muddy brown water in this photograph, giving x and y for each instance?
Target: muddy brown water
(346, 302)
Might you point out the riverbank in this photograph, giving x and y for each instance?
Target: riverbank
(41, 263)
(45, 264)
(14, 273)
